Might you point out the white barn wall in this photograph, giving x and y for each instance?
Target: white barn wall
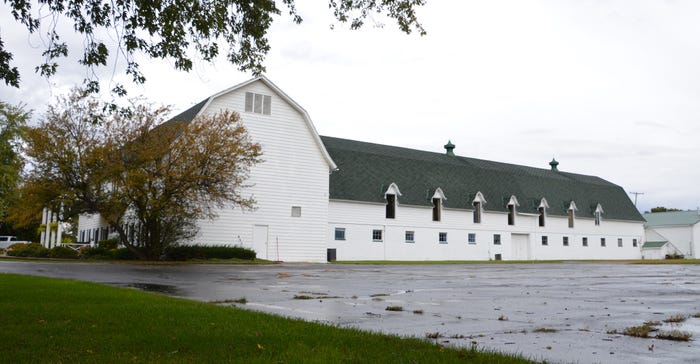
(87, 224)
(359, 219)
(293, 173)
(680, 236)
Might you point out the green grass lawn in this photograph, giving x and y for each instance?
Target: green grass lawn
(63, 321)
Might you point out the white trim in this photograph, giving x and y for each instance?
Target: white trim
(479, 198)
(393, 190)
(513, 201)
(572, 206)
(543, 203)
(439, 194)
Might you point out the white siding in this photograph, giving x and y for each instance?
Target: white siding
(293, 173)
(359, 219)
(87, 224)
(680, 236)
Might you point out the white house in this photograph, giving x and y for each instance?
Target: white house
(679, 230)
(389, 203)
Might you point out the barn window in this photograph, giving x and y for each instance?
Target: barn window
(258, 103)
(390, 206)
(471, 238)
(377, 235)
(619, 242)
(602, 242)
(584, 241)
(436, 209)
(541, 210)
(296, 211)
(634, 243)
(565, 241)
(339, 233)
(496, 239)
(410, 236)
(442, 238)
(477, 212)
(571, 218)
(544, 240)
(511, 214)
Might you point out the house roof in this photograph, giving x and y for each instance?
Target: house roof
(654, 244)
(366, 170)
(194, 111)
(672, 218)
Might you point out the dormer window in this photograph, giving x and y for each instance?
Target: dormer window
(438, 196)
(390, 206)
(478, 204)
(258, 103)
(436, 209)
(571, 212)
(390, 196)
(597, 214)
(512, 204)
(542, 210)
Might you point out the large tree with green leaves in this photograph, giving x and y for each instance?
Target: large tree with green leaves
(179, 30)
(150, 181)
(12, 120)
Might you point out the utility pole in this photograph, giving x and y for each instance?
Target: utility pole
(635, 196)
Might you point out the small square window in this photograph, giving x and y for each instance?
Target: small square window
(442, 238)
(296, 211)
(496, 239)
(565, 240)
(584, 241)
(339, 233)
(497, 257)
(634, 243)
(410, 236)
(602, 241)
(619, 242)
(377, 235)
(471, 238)
(544, 240)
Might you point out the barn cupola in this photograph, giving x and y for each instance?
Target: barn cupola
(554, 165)
(449, 149)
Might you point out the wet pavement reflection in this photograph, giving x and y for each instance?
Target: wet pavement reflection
(568, 312)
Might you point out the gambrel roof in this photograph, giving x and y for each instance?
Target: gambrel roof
(365, 170)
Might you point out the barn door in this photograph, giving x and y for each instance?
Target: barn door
(260, 241)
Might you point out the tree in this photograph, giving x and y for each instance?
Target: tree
(663, 209)
(151, 182)
(12, 120)
(176, 30)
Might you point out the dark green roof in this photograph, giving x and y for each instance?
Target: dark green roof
(366, 170)
(654, 244)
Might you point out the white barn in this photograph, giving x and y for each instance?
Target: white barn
(388, 203)
(674, 231)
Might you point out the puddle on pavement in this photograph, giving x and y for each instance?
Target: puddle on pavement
(154, 287)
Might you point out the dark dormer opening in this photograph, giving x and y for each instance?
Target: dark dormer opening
(477, 212)
(553, 164)
(390, 206)
(449, 149)
(436, 209)
(571, 218)
(511, 214)
(541, 217)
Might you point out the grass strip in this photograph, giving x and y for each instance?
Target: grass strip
(56, 320)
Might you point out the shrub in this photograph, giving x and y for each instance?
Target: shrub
(94, 252)
(63, 252)
(674, 335)
(189, 252)
(122, 254)
(108, 243)
(35, 250)
(638, 331)
(394, 308)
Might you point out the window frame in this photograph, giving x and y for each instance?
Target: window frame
(390, 212)
(619, 243)
(296, 211)
(339, 230)
(565, 240)
(545, 240)
(442, 237)
(437, 209)
(476, 215)
(471, 238)
(377, 235)
(584, 241)
(603, 243)
(413, 236)
(496, 239)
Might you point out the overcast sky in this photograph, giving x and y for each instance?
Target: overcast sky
(608, 88)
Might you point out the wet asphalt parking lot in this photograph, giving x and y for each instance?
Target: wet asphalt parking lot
(564, 312)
